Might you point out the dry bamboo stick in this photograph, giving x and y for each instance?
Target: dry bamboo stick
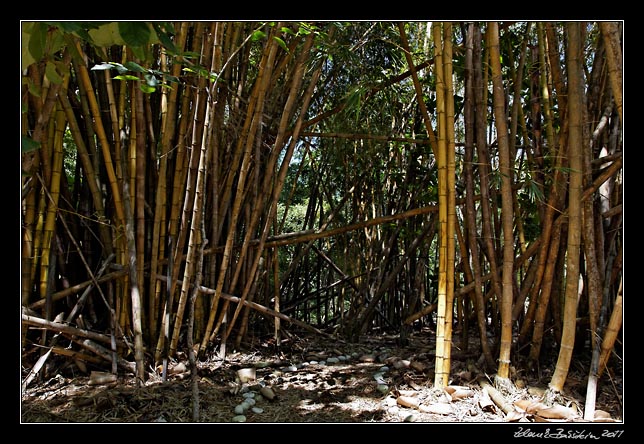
(65, 329)
(262, 309)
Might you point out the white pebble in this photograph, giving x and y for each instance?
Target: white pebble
(257, 410)
(239, 418)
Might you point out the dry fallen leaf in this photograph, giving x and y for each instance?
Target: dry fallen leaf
(418, 366)
(439, 408)
(485, 402)
(557, 412)
(602, 415)
(458, 392)
(408, 401)
(409, 393)
(514, 416)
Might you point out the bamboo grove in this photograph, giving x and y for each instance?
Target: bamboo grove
(199, 185)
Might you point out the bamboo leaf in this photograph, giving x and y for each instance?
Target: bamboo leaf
(133, 66)
(258, 35)
(52, 74)
(163, 32)
(38, 40)
(28, 144)
(126, 77)
(135, 33)
(102, 67)
(27, 57)
(106, 35)
(147, 88)
(281, 43)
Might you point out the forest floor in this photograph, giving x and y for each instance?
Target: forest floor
(317, 380)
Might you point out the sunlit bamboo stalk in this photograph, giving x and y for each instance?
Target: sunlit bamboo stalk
(575, 140)
(442, 346)
(507, 210)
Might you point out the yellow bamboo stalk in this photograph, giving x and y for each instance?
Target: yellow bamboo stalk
(173, 223)
(442, 346)
(266, 189)
(83, 77)
(194, 185)
(192, 109)
(167, 130)
(243, 151)
(451, 194)
(38, 232)
(575, 115)
(195, 239)
(52, 197)
(612, 330)
(27, 261)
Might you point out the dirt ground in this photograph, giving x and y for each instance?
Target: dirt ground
(314, 380)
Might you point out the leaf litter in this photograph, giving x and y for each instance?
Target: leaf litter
(310, 380)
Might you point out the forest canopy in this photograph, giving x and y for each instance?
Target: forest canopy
(198, 185)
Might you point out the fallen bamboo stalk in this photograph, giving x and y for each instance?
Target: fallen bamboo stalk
(107, 355)
(78, 287)
(496, 396)
(260, 308)
(65, 329)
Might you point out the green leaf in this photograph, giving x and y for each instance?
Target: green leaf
(135, 33)
(147, 88)
(52, 74)
(38, 41)
(106, 35)
(102, 67)
(126, 77)
(190, 55)
(120, 68)
(258, 35)
(133, 66)
(29, 144)
(27, 58)
(139, 52)
(281, 43)
(56, 41)
(78, 27)
(164, 36)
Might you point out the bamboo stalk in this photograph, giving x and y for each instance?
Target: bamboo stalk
(575, 103)
(507, 204)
